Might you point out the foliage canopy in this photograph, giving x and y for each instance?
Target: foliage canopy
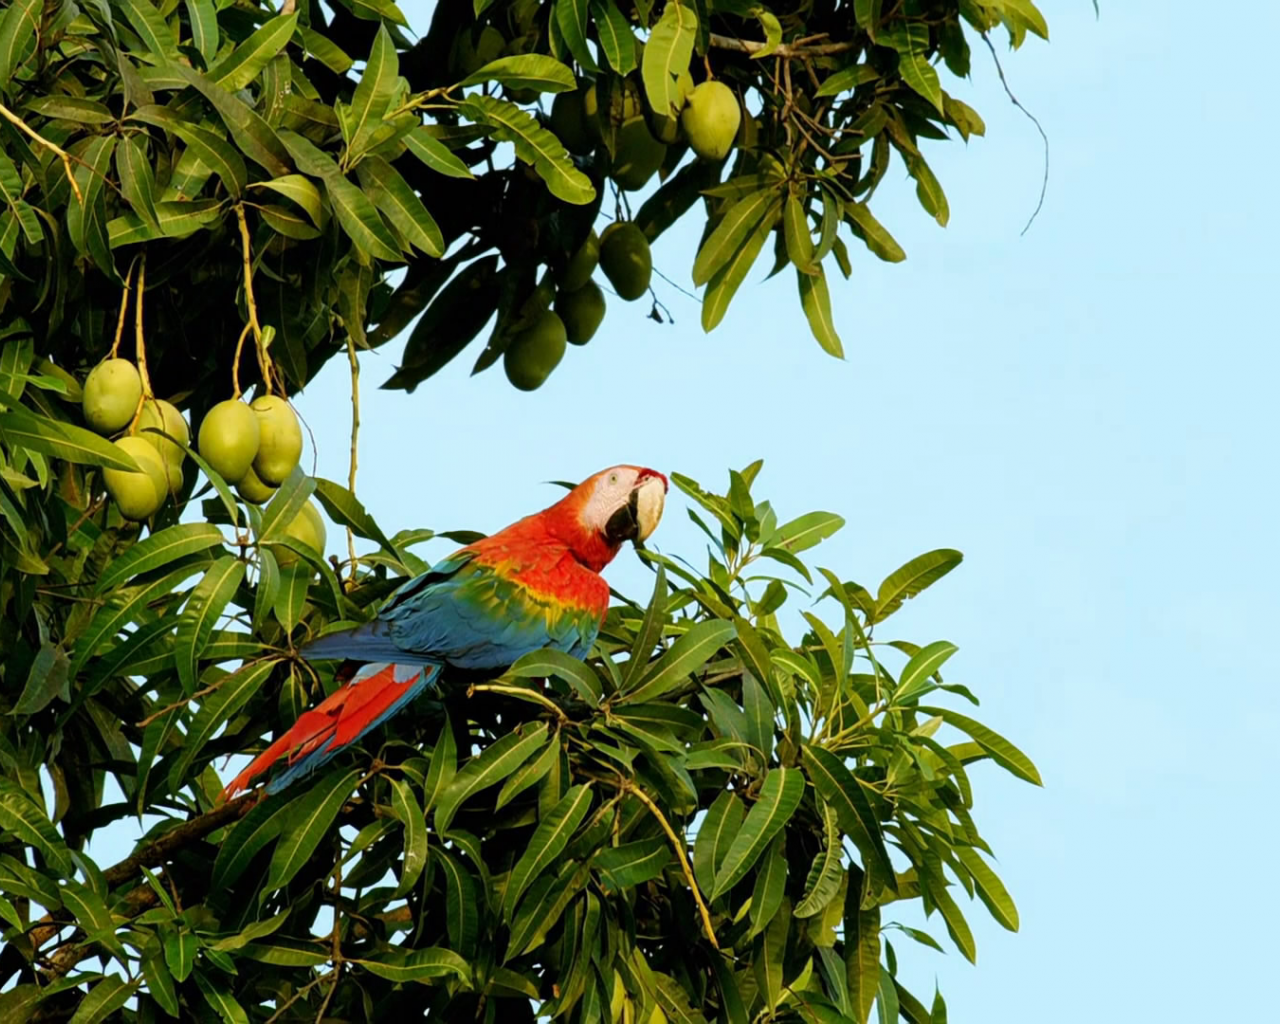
(710, 818)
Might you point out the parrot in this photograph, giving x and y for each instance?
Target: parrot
(535, 584)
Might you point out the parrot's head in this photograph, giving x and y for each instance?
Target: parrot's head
(623, 503)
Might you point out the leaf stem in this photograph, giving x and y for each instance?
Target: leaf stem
(522, 692)
(355, 436)
(264, 361)
(58, 151)
(678, 844)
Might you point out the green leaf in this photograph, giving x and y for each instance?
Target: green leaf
(686, 656)
(534, 145)
(24, 429)
(283, 953)
(250, 836)
(873, 233)
(717, 831)
(957, 926)
(256, 139)
(211, 150)
(526, 71)
(462, 915)
(990, 889)
(309, 819)
(405, 807)
(325, 51)
(150, 25)
(201, 613)
(112, 992)
(779, 797)
(291, 597)
(867, 13)
(650, 631)
(392, 195)
(615, 35)
(929, 190)
(71, 108)
(912, 43)
(815, 299)
(862, 954)
(160, 983)
(359, 219)
(373, 94)
(633, 863)
(824, 878)
(725, 282)
(795, 230)
(173, 220)
(285, 505)
(837, 787)
(529, 774)
(547, 662)
(767, 956)
(18, 27)
(846, 79)
(203, 19)
(373, 10)
(23, 820)
(137, 179)
(923, 664)
(743, 218)
(180, 950)
(1000, 749)
(435, 154)
(912, 578)
(301, 190)
(571, 19)
(234, 691)
(666, 54)
(1030, 13)
(490, 767)
(444, 765)
(419, 965)
(806, 531)
(345, 509)
(547, 843)
(242, 65)
(220, 999)
(770, 884)
(45, 680)
(122, 608)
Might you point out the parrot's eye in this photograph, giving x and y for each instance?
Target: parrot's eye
(613, 478)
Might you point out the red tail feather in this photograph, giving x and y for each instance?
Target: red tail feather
(342, 717)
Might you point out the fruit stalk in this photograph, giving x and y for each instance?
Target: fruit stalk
(264, 361)
(355, 437)
(124, 311)
(139, 346)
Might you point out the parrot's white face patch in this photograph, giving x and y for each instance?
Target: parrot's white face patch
(614, 489)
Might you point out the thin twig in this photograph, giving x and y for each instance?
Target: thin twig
(355, 436)
(786, 50)
(140, 349)
(1044, 185)
(124, 312)
(678, 845)
(235, 363)
(298, 995)
(58, 151)
(523, 692)
(246, 253)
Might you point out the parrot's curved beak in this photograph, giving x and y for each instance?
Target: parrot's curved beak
(639, 516)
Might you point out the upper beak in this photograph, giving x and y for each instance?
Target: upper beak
(639, 516)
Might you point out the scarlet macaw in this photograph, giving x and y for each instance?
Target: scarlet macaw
(535, 584)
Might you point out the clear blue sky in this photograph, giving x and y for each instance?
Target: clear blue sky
(1086, 412)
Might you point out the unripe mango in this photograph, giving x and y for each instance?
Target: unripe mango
(639, 155)
(162, 415)
(111, 395)
(582, 264)
(626, 260)
(229, 437)
(711, 119)
(535, 352)
(582, 311)
(253, 490)
(279, 440)
(138, 495)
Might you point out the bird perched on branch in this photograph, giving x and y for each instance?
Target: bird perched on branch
(535, 584)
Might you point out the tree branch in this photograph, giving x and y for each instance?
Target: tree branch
(786, 50)
(159, 850)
